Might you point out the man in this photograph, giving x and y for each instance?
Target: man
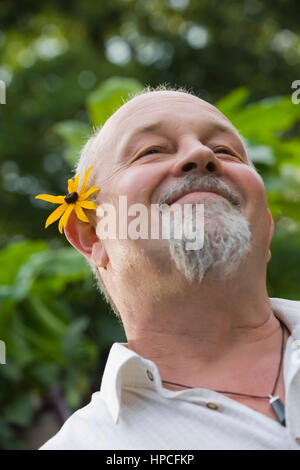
(200, 319)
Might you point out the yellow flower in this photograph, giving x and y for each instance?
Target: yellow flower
(73, 200)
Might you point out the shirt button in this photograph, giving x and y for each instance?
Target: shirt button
(150, 375)
(212, 406)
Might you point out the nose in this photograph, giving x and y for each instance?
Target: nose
(198, 158)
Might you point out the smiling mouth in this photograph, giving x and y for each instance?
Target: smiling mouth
(191, 195)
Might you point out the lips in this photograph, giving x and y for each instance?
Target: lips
(186, 193)
(206, 185)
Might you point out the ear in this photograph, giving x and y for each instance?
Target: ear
(83, 237)
(271, 232)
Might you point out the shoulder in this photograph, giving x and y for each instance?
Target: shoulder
(288, 311)
(86, 428)
(285, 303)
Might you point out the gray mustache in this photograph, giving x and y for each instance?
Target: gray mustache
(195, 183)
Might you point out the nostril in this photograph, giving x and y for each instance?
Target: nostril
(189, 166)
(210, 166)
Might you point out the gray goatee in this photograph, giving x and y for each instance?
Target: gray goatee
(227, 235)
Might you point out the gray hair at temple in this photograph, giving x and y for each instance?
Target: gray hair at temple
(89, 156)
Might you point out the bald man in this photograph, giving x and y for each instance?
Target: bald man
(210, 359)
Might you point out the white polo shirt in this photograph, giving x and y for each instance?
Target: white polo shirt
(133, 410)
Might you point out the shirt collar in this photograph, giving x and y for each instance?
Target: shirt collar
(289, 312)
(125, 367)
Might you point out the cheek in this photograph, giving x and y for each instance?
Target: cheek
(251, 187)
(255, 209)
(137, 182)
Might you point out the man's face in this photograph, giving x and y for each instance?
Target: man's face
(160, 139)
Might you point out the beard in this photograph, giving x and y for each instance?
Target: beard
(226, 241)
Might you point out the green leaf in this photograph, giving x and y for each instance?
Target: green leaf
(74, 134)
(45, 316)
(13, 256)
(232, 103)
(105, 100)
(64, 264)
(260, 153)
(265, 120)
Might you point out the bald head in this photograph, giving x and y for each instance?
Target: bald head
(103, 149)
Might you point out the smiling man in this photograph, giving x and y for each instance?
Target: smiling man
(206, 349)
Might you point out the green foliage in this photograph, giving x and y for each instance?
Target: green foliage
(101, 104)
(49, 342)
(61, 84)
(75, 134)
(265, 126)
(108, 97)
(283, 269)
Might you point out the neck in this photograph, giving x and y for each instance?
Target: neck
(216, 325)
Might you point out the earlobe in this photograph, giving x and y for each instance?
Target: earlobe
(83, 237)
(99, 256)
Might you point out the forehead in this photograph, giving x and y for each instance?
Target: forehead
(164, 106)
(176, 111)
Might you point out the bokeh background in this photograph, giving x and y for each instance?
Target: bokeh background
(67, 65)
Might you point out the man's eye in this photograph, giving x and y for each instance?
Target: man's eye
(147, 152)
(224, 150)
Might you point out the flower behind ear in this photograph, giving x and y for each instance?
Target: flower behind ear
(73, 200)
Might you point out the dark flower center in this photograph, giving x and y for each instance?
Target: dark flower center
(71, 197)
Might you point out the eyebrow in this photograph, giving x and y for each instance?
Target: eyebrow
(158, 126)
(155, 127)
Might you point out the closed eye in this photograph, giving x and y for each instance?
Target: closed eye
(219, 150)
(147, 152)
(224, 150)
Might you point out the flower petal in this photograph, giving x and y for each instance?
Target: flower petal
(89, 192)
(87, 204)
(83, 187)
(80, 214)
(64, 219)
(76, 183)
(50, 198)
(56, 214)
(71, 186)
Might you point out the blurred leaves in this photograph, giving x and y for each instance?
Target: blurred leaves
(108, 97)
(264, 125)
(101, 104)
(49, 340)
(57, 60)
(68, 67)
(53, 337)
(75, 134)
